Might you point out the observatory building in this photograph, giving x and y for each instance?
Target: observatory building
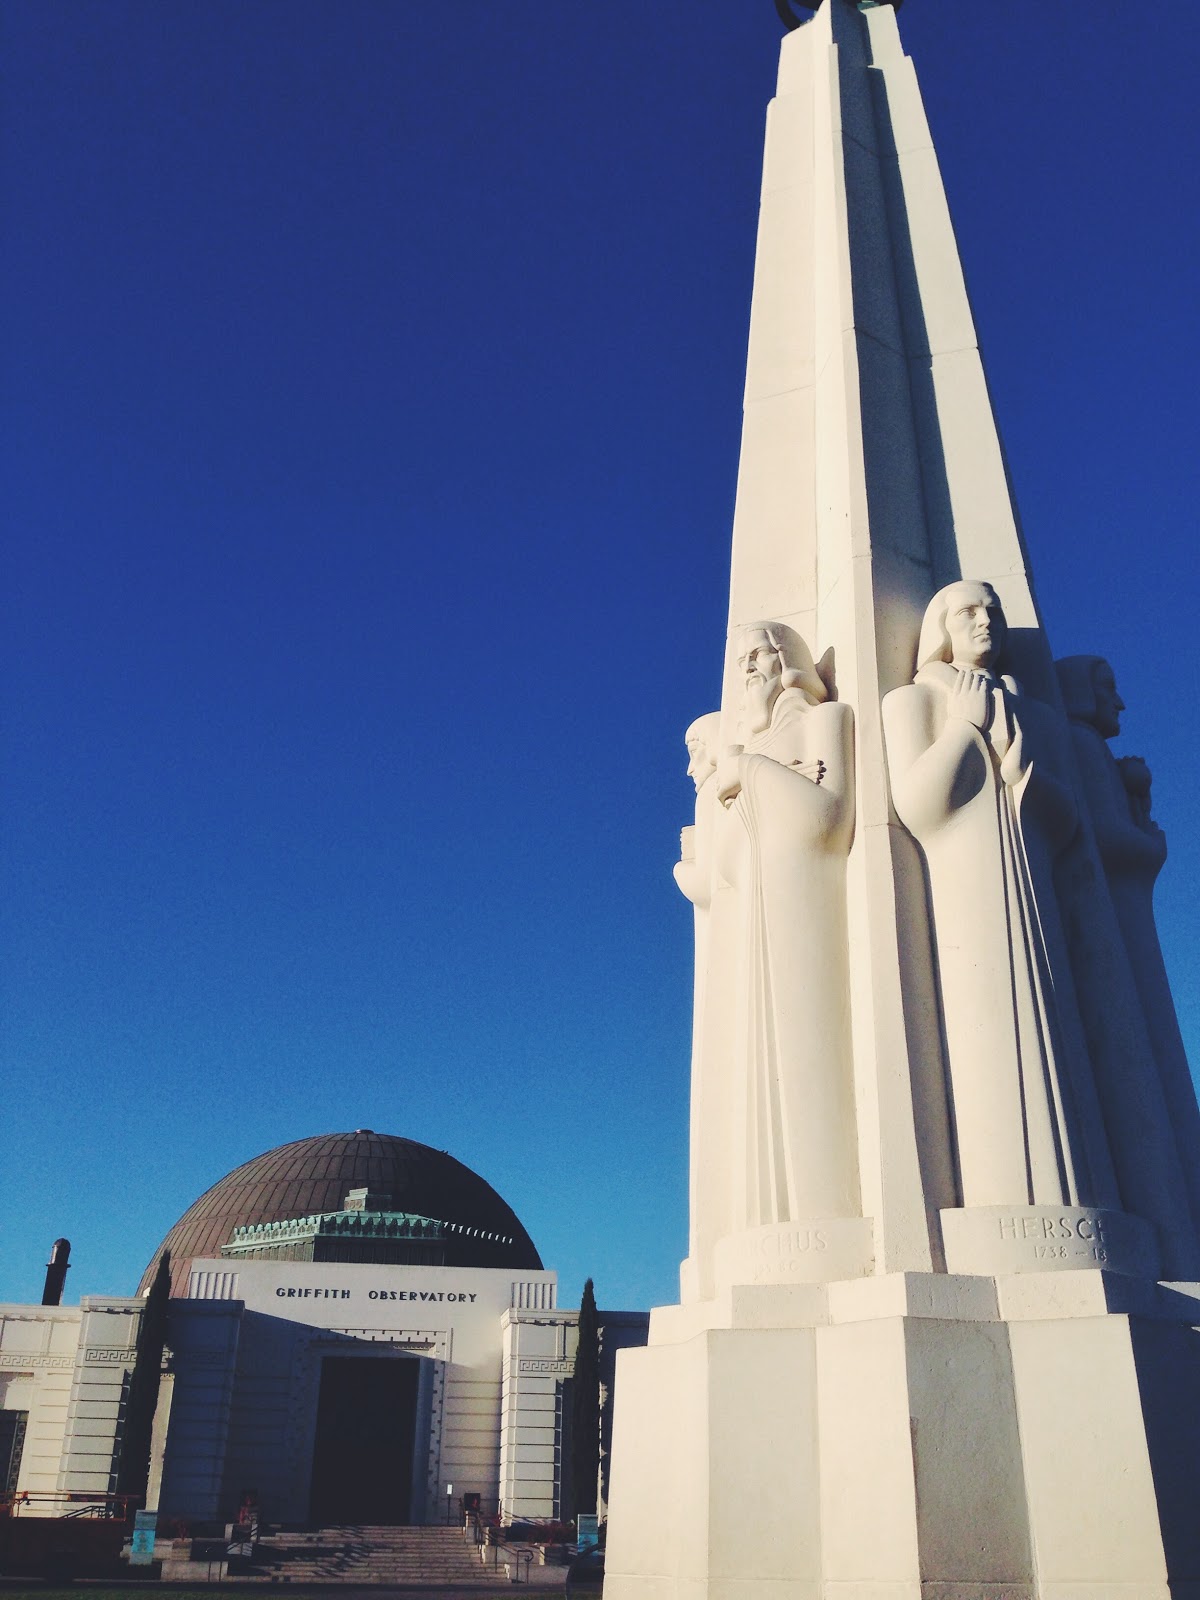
(360, 1330)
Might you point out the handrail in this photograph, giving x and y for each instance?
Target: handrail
(107, 1507)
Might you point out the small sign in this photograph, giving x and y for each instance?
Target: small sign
(587, 1532)
(141, 1549)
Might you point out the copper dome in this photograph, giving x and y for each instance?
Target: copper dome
(314, 1175)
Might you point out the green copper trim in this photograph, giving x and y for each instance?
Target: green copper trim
(351, 1224)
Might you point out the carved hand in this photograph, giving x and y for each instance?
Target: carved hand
(971, 699)
(814, 770)
(1012, 768)
(729, 775)
(1135, 775)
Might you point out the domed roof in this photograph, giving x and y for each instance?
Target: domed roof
(310, 1176)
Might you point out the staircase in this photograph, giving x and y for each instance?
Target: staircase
(429, 1557)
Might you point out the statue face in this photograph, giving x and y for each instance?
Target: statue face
(761, 667)
(700, 764)
(1109, 705)
(976, 626)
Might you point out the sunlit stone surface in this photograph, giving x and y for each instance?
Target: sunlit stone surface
(936, 1326)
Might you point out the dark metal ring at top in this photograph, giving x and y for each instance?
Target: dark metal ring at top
(790, 19)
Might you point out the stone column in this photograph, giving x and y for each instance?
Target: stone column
(95, 1412)
(538, 1356)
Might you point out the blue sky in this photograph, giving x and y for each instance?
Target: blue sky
(372, 379)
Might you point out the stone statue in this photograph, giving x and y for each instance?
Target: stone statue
(694, 875)
(783, 832)
(975, 777)
(1132, 849)
(693, 871)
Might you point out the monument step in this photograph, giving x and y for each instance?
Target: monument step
(368, 1554)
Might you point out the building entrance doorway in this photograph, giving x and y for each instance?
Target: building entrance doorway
(363, 1453)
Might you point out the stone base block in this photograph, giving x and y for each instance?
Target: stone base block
(823, 1250)
(1007, 1239)
(911, 1437)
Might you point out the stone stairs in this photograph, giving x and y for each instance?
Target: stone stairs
(430, 1557)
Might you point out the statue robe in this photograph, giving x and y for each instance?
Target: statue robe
(1133, 855)
(707, 1203)
(782, 843)
(1026, 1119)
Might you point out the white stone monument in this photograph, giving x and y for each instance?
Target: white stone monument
(939, 1330)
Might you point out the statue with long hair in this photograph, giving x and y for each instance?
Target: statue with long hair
(976, 777)
(784, 829)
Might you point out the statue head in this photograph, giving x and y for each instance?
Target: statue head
(964, 625)
(772, 657)
(1089, 691)
(701, 740)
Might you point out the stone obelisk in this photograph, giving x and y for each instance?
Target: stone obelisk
(935, 1332)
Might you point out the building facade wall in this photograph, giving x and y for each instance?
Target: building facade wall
(247, 1353)
(38, 1346)
(539, 1358)
(195, 1409)
(238, 1402)
(69, 1368)
(99, 1389)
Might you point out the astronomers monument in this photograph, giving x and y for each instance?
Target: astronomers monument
(936, 1333)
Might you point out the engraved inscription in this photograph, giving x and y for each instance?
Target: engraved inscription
(783, 1253)
(1057, 1238)
(799, 1242)
(1088, 1228)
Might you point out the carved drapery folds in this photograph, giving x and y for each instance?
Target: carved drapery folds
(774, 825)
(784, 829)
(977, 777)
(694, 875)
(1073, 1129)
(1132, 850)
(1056, 1103)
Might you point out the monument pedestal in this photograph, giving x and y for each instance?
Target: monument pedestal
(914, 1436)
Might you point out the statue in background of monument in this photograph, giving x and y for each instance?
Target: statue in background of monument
(975, 777)
(693, 870)
(784, 829)
(1132, 849)
(694, 875)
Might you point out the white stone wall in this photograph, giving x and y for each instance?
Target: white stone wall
(539, 1355)
(37, 1364)
(99, 1384)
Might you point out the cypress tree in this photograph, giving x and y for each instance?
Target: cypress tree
(585, 1406)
